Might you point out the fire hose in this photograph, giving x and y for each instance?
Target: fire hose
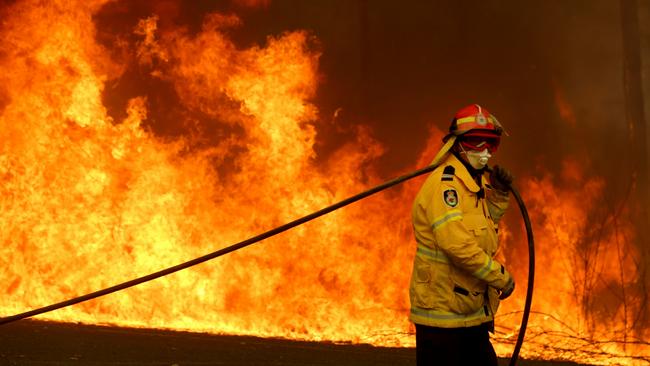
(297, 222)
(531, 275)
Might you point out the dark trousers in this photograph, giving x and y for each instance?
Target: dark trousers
(454, 346)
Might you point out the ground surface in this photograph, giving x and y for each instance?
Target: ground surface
(45, 343)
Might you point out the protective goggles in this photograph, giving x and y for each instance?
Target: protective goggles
(480, 142)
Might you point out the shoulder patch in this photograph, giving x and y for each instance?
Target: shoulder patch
(450, 197)
(448, 173)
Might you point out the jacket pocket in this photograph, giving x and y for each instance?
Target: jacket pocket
(421, 293)
(484, 232)
(476, 223)
(468, 292)
(466, 301)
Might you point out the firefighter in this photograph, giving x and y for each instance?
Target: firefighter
(456, 284)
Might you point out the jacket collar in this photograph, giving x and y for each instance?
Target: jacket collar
(462, 173)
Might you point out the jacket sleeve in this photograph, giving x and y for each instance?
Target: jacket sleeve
(497, 203)
(455, 239)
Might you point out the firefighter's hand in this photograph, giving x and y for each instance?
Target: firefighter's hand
(507, 291)
(501, 178)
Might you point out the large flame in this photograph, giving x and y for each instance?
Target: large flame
(88, 201)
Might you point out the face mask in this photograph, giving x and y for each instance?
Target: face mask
(477, 159)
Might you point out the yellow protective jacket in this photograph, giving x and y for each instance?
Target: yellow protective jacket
(455, 276)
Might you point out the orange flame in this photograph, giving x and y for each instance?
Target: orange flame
(88, 201)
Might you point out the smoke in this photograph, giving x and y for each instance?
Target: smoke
(401, 69)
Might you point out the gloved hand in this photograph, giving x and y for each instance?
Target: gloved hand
(507, 291)
(501, 178)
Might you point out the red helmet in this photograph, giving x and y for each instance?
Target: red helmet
(476, 119)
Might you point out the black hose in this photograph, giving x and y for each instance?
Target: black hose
(531, 276)
(285, 227)
(219, 252)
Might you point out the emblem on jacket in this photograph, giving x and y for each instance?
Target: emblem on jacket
(451, 197)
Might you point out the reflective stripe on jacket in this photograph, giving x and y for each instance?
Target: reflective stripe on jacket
(455, 276)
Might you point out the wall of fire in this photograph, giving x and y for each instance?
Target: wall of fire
(567, 79)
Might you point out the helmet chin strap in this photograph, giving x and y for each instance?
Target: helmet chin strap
(462, 151)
